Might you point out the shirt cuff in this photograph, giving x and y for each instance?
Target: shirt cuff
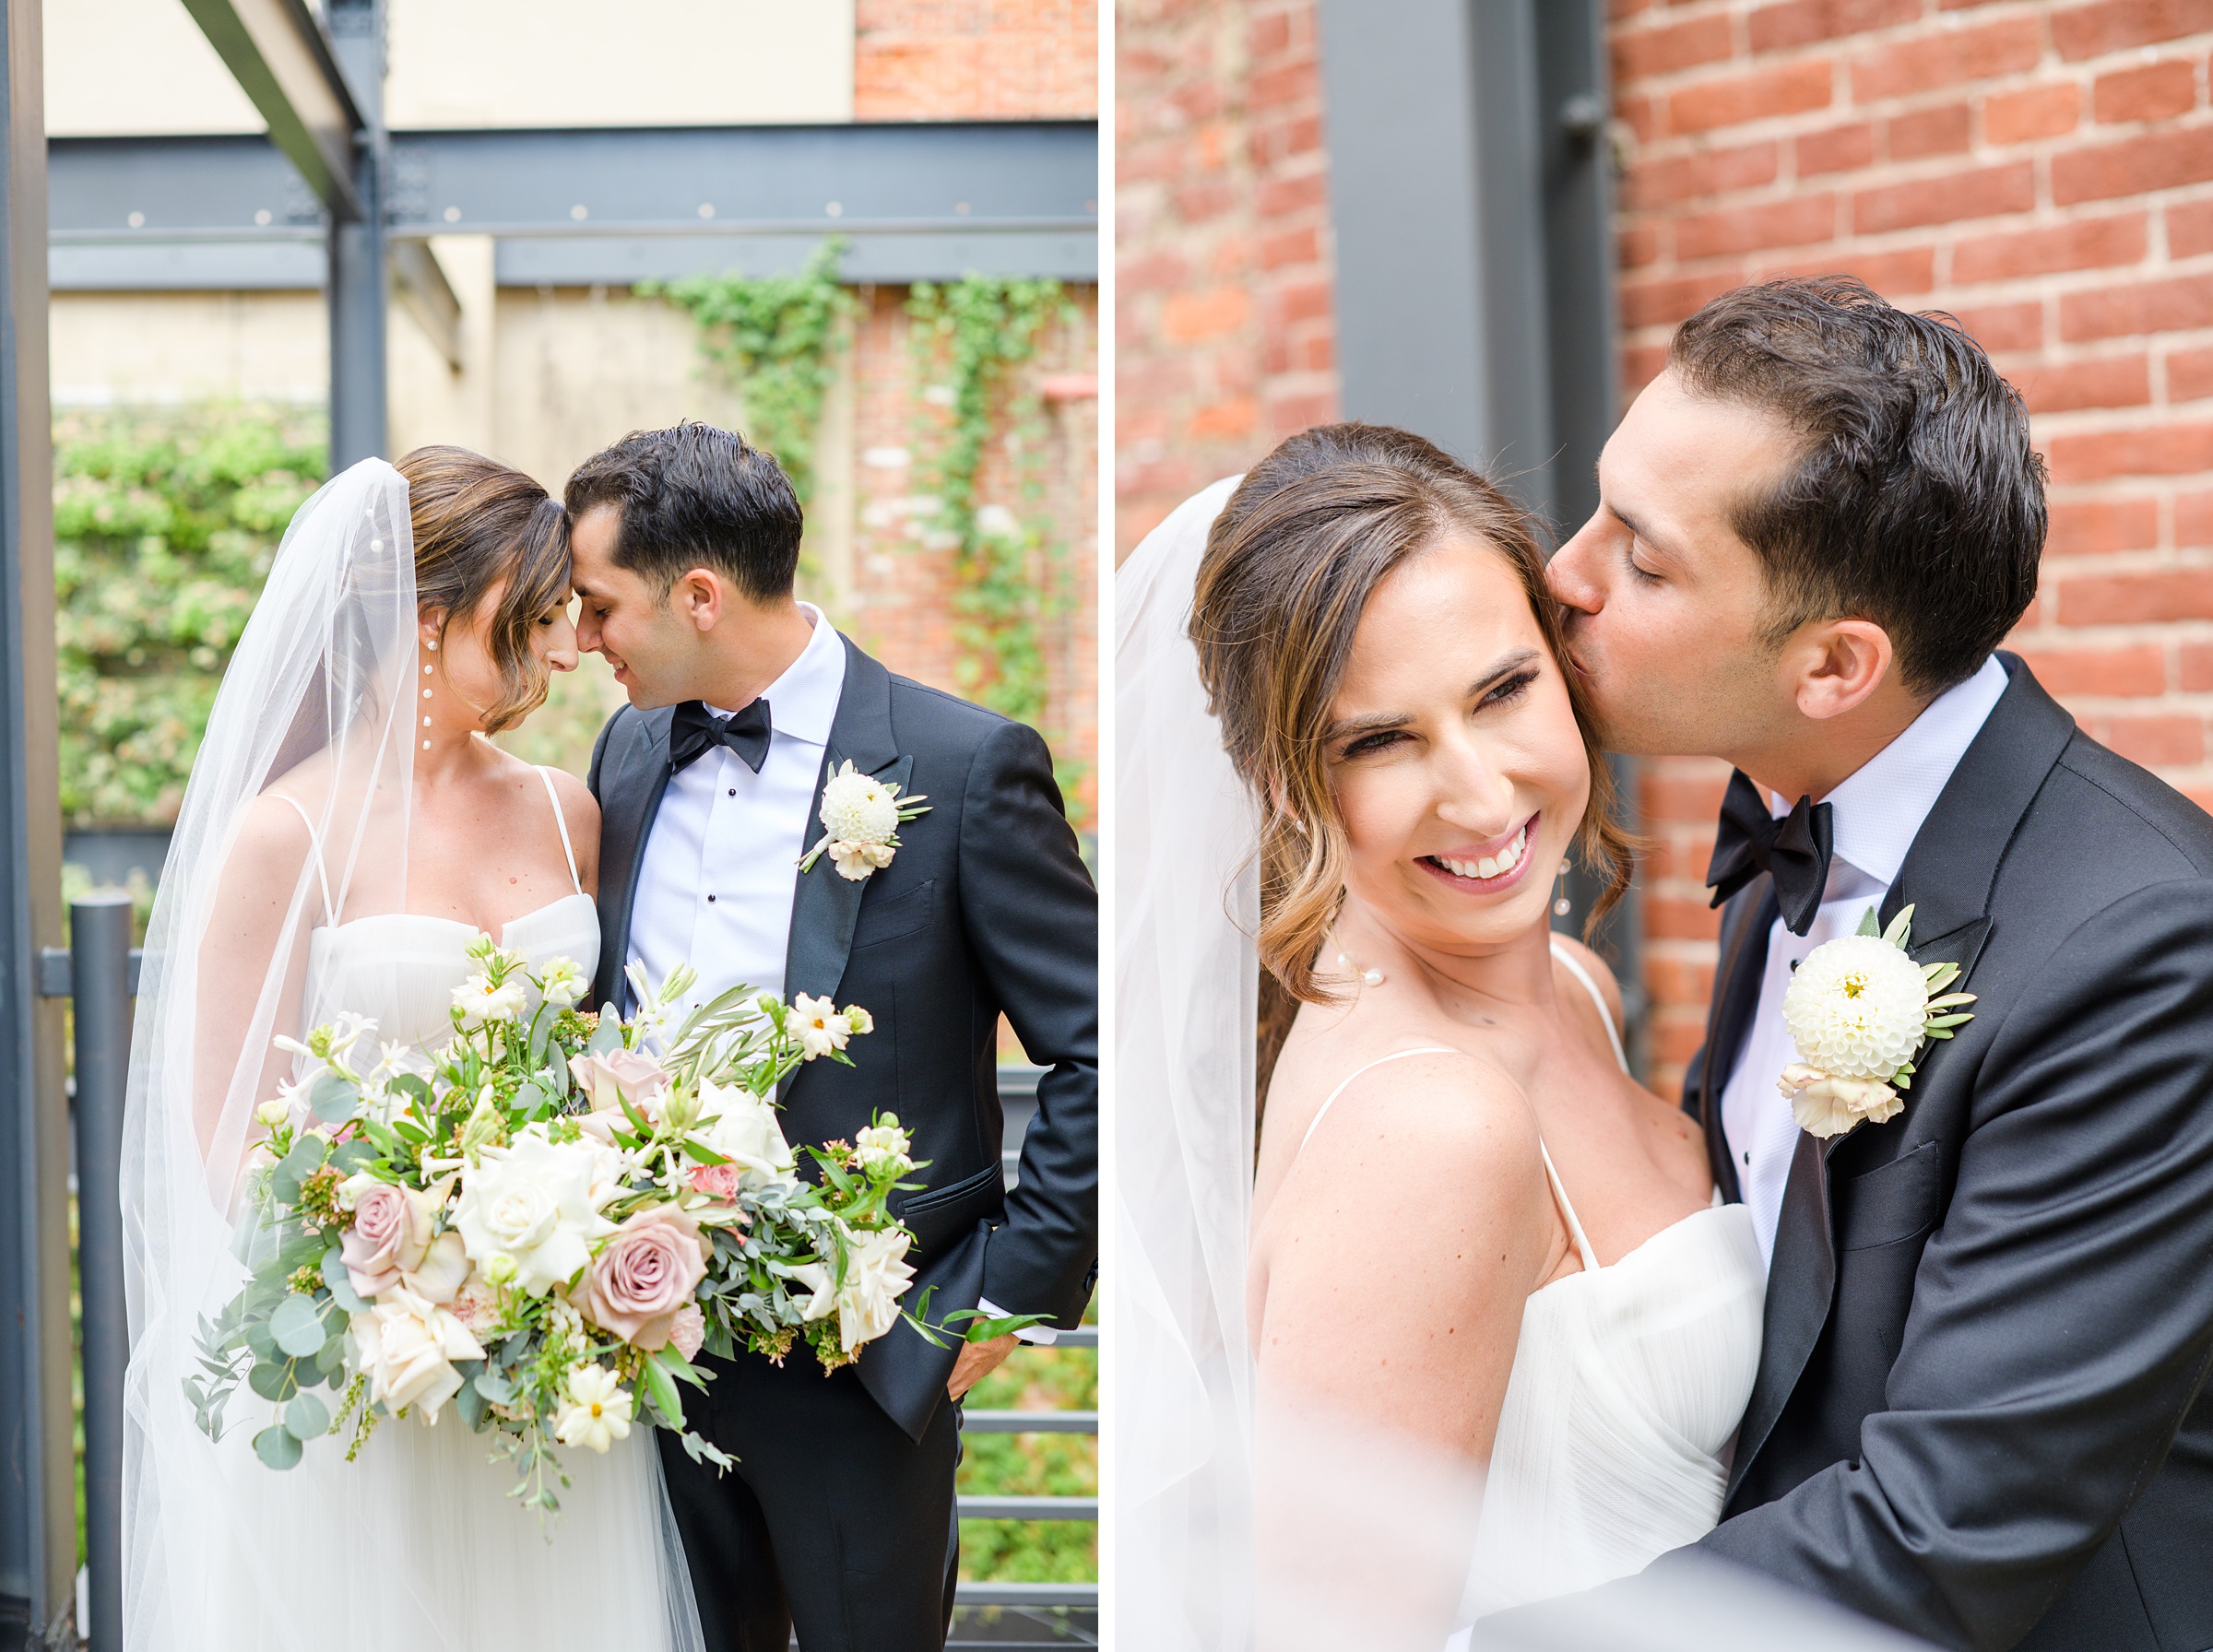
(1044, 1335)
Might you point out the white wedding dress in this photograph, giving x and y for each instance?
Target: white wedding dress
(1627, 1384)
(416, 1544)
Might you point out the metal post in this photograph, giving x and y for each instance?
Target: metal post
(38, 1526)
(359, 285)
(100, 958)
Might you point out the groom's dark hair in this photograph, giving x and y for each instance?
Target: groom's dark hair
(1916, 501)
(694, 497)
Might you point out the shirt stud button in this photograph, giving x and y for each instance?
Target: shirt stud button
(733, 791)
(710, 900)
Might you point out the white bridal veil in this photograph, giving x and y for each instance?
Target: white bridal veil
(1186, 991)
(414, 1544)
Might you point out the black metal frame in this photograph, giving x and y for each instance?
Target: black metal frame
(1471, 182)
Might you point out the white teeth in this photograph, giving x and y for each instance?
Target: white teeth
(1487, 867)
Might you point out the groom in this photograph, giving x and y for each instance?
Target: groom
(1981, 1410)
(839, 1518)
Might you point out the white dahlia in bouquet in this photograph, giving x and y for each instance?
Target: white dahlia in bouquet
(539, 1230)
(1858, 1010)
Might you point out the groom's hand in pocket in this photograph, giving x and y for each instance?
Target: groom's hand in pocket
(977, 1360)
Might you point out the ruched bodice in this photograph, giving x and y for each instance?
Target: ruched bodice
(1628, 1385)
(401, 968)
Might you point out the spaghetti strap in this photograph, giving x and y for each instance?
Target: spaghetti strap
(315, 847)
(1598, 997)
(1322, 1112)
(1559, 1191)
(561, 820)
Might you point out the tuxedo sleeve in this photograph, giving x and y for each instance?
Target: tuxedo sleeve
(1032, 919)
(591, 775)
(2062, 1317)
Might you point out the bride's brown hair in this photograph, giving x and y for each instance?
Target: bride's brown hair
(1289, 567)
(477, 522)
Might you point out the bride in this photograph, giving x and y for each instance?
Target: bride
(1352, 758)
(347, 832)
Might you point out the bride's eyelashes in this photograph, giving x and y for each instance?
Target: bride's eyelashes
(1500, 693)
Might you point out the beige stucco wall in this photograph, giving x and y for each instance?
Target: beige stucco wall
(125, 66)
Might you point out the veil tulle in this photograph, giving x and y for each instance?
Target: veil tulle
(317, 715)
(1187, 986)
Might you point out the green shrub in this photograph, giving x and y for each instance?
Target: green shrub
(165, 524)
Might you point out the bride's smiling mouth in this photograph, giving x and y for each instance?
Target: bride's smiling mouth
(1484, 870)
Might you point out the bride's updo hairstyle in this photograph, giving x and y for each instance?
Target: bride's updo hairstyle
(481, 525)
(1289, 567)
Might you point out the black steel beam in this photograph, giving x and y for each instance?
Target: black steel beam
(38, 1525)
(283, 60)
(583, 206)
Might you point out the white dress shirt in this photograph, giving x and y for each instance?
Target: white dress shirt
(1877, 813)
(722, 865)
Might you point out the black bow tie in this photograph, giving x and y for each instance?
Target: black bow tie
(1794, 851)
(696, 729)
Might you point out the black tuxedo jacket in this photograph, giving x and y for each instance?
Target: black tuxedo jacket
(985, 907)
(1981, 1411)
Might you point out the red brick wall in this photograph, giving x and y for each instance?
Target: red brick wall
(900, 608)
(1225, 339)
(2045, 172)
(996, 59)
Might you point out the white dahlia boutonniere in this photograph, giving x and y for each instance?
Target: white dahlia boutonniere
(1860, 1010)
(862, 816)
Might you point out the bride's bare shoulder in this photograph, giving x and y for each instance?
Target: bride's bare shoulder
(1429, 1115)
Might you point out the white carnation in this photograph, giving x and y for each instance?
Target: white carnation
(859, 809)
(1856, 1008)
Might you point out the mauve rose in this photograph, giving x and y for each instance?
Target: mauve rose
(389, 1235)
(716, 1181)
(630, 1073)
(644, 1275)
(688, 1331)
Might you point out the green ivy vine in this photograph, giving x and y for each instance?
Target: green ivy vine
(776, 337)
(966, 334)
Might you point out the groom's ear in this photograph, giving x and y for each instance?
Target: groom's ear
(698, 598)
(1838, 664)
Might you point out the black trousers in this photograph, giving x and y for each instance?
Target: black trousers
(834, 1522)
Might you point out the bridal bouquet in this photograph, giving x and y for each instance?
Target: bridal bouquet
(541, 1227)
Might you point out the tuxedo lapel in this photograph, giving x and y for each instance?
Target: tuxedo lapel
(1735, 997)
(1947, 878)
(629, 799)
(826, 905)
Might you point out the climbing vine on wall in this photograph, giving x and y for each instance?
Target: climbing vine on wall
(1009, 567)
(776, 337)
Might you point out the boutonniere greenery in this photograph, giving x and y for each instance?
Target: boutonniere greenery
(862, 816)
(1860, 1010)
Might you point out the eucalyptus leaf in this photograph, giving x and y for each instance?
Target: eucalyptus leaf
(411, 1084)
(298, 1326)
(340, 1283)
(274, 1380)
(472, 1406)
(533, 1100)
(306, 1417)
(354, 1154)
(496, 1387)
(278, 1446)
(260, 1342)
(334, 1100)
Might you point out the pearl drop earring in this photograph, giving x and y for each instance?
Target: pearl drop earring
(1563, 906)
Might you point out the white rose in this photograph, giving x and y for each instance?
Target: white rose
(746, 1132)
(407, 1347)
(819, 1025)
(859, 809)
(597, 1411)
(876, 1273)
(480, 1001)
(533, 1202)
(272, 1112)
